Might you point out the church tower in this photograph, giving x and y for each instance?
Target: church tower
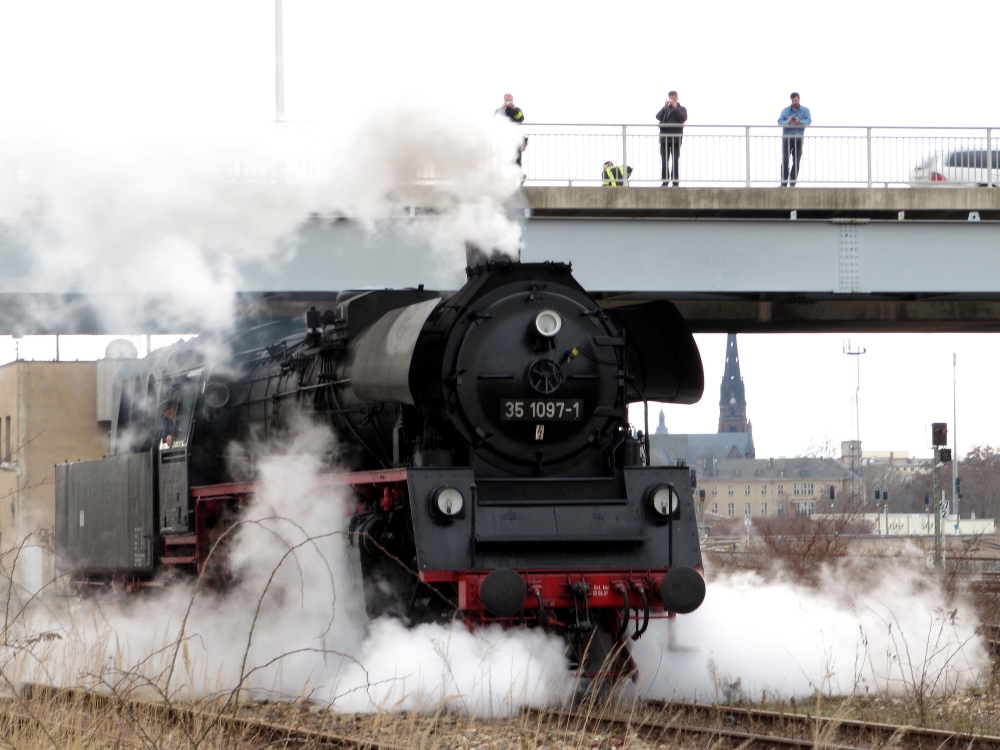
(732, 399)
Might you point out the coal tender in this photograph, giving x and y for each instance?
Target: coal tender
(486, 441)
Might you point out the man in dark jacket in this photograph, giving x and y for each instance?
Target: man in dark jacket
(516, 116)
(168, 422)
(614, 176)
(671, 118)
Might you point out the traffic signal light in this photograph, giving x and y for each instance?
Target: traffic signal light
(945, 454)
(927, 499)
(939, 433)
(878, 494)
(694, 480)
(958, 487)
(701, 496)
(832, 497)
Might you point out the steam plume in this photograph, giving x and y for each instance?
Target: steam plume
(292, 624)
(848, 636)
(174, 221)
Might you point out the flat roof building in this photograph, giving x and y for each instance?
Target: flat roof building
(899, 462)
(50, 412)
(772, 486)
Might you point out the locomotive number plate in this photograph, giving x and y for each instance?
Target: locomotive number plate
(547, 409)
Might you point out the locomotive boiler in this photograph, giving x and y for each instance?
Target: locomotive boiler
(485, 435)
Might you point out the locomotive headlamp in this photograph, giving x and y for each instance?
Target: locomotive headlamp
(447, 502)
(548, 323)
(663, 500)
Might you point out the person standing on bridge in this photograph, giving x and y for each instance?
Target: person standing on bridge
(794, 118)
(516, 116)
(671, 118)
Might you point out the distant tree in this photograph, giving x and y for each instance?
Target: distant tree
(979, 471)
(824, 448)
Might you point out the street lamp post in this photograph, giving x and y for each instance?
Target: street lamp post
(858, 490)
(279, 62)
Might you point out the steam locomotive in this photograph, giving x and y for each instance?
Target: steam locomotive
(486, 433)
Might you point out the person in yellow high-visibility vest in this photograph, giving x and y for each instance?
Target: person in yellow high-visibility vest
(615, 176)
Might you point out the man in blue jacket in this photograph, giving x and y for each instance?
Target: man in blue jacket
(794, 118)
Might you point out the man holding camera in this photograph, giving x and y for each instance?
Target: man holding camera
(671, 118)
(794, 118)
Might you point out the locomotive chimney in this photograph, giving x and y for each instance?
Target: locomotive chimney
(476, 256)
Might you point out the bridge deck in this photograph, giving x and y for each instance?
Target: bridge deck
(951, 203)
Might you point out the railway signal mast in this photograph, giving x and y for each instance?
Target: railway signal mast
(956, 485)
(942, 455)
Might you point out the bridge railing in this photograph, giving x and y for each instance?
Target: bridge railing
(751, 155)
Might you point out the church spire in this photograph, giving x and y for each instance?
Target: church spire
(661, 428)
(732, 397)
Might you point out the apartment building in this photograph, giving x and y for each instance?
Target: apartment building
(772, 486)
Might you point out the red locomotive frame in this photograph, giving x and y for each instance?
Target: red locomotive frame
(612, 594)
(547, 590)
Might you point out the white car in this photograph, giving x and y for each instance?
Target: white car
(958, 168)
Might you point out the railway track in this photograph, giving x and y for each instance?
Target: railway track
(653, 723)
(673, 732)
(266, 730)
(672, 722)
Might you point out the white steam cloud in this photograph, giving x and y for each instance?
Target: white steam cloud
(174, 220)
(292, 625)
(462, 175)
(178, 218)
(850, 635)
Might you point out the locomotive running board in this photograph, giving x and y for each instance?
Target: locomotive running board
(384, 476)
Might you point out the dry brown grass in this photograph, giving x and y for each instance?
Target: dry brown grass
(52, 721)
(37, 719)
(43, 719)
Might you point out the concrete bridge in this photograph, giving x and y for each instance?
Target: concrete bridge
(733, 259)
(785, 259)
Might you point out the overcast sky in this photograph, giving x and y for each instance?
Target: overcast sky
(92, 67)
(800, 389)
(870, 62)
